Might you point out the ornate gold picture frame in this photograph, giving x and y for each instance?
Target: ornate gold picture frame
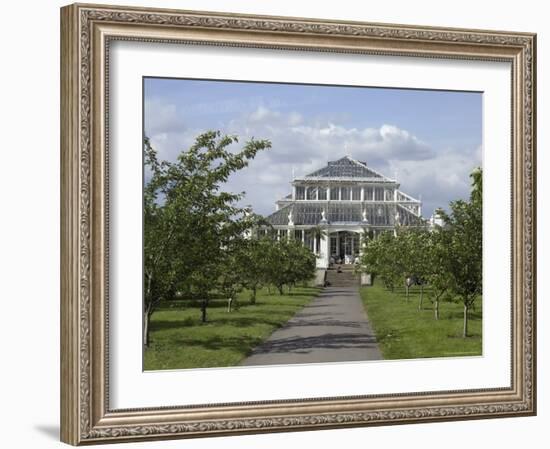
(87, 32)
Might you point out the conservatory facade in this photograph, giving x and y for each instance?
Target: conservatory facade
(330, 210)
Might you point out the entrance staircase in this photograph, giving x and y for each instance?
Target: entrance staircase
(346, 278)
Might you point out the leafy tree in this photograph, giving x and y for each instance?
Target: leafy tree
(287, 263)
(160, 233)
(253, 262)
(381, 257)
(232, 267)
(189, 220)
(277, 272)
(464, 224)
(301, 263)
(438, 273)
(414, 258)
(448, 258)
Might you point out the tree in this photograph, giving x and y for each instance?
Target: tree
(232, 267)
(448, 258)
(301, 263)
(189, 220)
(381, 257)
(464, 225)
(160, 231)
(439, 266)
(253, 264)
(287, 263)
(413, 252)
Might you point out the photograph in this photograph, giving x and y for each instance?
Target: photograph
(289, 223)
(277, 221)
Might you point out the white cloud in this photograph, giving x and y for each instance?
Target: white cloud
(301, 146)
(262, 114)
(439, 179)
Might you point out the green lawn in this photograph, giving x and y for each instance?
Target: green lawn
(179, 340)
(404, 332)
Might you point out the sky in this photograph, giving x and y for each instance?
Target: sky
(428, 140)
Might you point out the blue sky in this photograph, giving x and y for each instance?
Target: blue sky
(428, 140)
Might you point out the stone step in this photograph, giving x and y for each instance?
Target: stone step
(346, 278)
(343, 284)
(342, 278)
(343, 274)
(346, 281)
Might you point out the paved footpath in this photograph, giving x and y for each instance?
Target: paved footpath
(332, 328)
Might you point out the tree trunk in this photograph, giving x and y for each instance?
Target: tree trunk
(229, 302)
(407, 292)
(148, 311)
(204, 304)
(253, 296)
(436, 309)
(280, 288)
(421, 297)
(465, 328)
(146, 317)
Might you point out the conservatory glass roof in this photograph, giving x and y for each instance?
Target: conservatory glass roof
(345, 167)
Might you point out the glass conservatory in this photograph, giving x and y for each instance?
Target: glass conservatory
(330, 209)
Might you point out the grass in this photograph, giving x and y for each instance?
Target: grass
(404, 332)
(179, 340)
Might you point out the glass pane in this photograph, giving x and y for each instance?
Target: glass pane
(308, 240)
(344, 191)
(310, 214)
(333, 245)
(368, 193)
(334, 191)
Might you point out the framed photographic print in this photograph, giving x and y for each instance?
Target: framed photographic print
(280, 224)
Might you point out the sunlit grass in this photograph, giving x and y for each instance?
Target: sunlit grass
(404, 332)
(178, 339)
